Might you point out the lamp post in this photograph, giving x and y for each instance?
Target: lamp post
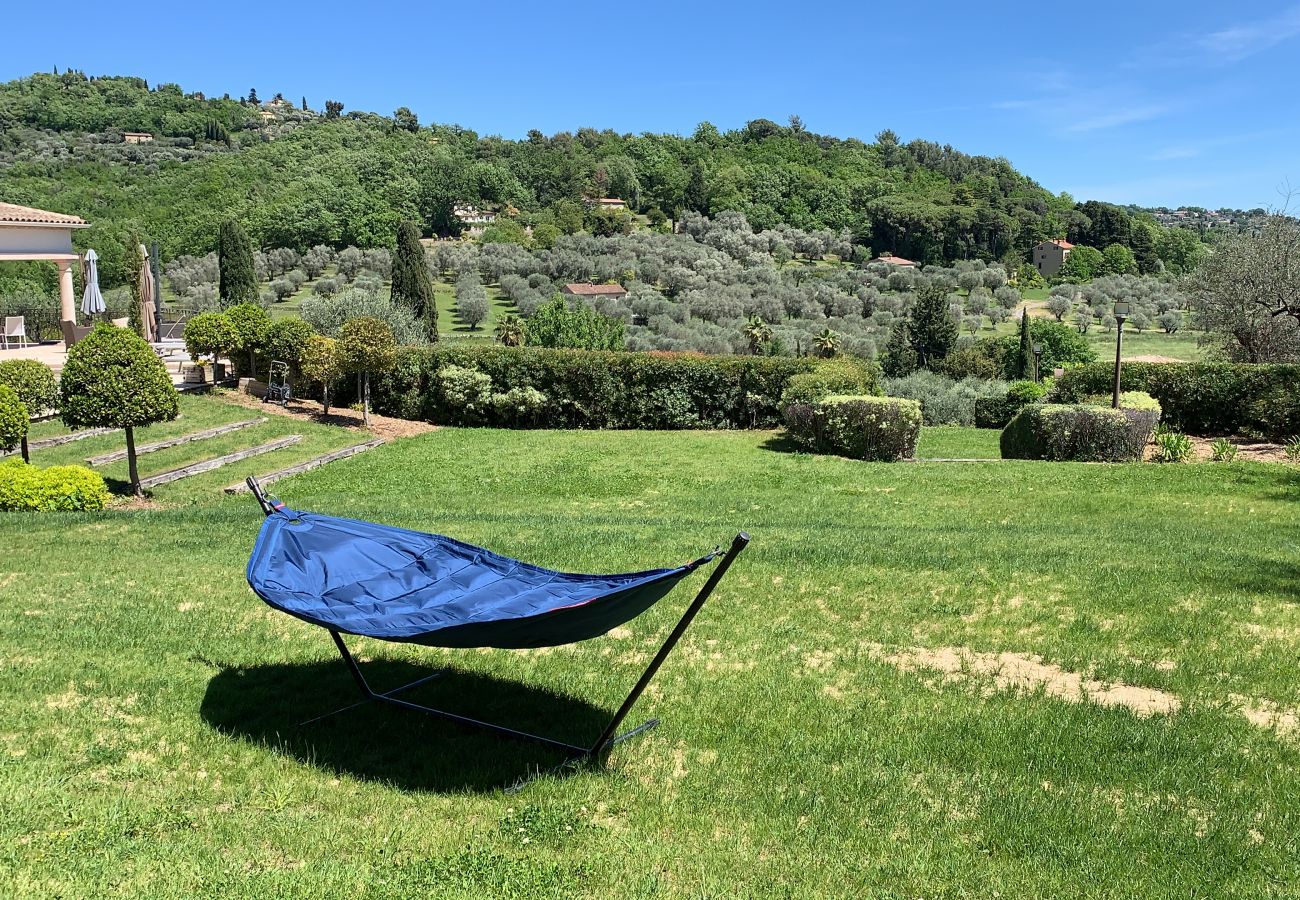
(1121, 313)
(1038, 361)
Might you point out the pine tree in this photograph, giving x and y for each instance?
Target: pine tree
(412, 286)
(934, 331)
(238, 279)
(1022, 365)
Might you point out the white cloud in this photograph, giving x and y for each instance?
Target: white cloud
(1117, 117)
(1240, 41)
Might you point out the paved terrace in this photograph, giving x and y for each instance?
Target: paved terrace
(55, 354)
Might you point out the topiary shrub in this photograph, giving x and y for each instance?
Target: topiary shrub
(34, 382)
(13, 419)
(209, 334)
(25, 488)
(285, 340)
(113, 379)
(367, 346)
(996, 412)
(322, 362)
(882, 429)
(1082, 432)
(249, 324)
(832, 376)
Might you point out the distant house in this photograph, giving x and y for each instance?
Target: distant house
(893, 260)
(1049, 256)
(471, 215)
(137, 137)
(613, 291)
(607, 203)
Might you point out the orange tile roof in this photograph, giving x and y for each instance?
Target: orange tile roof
(592, 290)
(1064, 245)
(25, 215)
(893, 260)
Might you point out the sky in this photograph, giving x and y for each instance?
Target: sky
(1153, 103)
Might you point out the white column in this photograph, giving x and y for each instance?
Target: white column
(67, 297)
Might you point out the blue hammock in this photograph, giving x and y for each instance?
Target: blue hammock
(380, 581)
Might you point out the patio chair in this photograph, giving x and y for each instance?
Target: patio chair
(379, 581)
(72, 332)
(15, 330)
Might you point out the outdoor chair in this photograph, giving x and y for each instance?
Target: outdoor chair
(72, 332)
(380, 581)
(15, 330)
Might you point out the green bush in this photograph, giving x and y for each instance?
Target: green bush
(881, 429)
(34, 382)
(1172, 447)
(519, 407)
(249, 324)
(1223, 450)
(285, 340)
(25, 488)
(13, 419)
(209, 334)
(1202, 398)
(834, 376)
(1081, 432)
(996, 412)
(944, 401)
(467, 391)
(593, 389)
(971, 362)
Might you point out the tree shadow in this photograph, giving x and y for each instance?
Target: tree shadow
(782, 443)
(377, 742)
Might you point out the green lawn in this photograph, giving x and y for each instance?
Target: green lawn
(148, 700)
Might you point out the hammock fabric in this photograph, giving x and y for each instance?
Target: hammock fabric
(354, 577)
(398, 585)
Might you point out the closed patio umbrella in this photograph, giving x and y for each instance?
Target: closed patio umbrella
(92, 301)
(148, 291)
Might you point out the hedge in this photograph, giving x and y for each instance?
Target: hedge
(882, 429)
(997, 412)
(1082, 432)
(1203, 398)
(25, 488)
(593, 389)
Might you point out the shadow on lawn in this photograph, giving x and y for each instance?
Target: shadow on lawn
(408, 749)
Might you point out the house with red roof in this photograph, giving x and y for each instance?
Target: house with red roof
(893, 260)
(1049, 256)
(614, 291)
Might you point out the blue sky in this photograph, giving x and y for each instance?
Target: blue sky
(1156, 103)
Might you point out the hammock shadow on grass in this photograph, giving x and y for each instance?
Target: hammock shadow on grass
(410, 750)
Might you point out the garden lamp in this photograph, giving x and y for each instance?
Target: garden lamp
(1038, 360)
(1121, 313)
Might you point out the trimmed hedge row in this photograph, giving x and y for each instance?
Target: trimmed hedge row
(586, 389)
(1203, 398)
(881, 429)
(25, 488)
(1082, 432)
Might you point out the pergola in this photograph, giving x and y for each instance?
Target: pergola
(27, 234)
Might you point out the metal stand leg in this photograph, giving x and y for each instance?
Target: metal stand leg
(608, 739)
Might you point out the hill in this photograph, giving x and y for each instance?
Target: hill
(299, 178)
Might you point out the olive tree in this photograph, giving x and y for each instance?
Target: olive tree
(367, 346)
(112, 379)
(35, 385)
(471, 300)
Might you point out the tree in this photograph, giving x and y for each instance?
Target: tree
(556, 324)
(1180, 250)
(209, 334)
(252, 96)
(333, 109)
(285, 340)
(367, 346)
(934, 333)
(1144, 248)
(1118, 260)
(510, 331)
(1083, 264)
(471, 300)
(1021, 363)
(758, 333)
(412, 285)
(249, 325)
(238, 278)
(1170, 321)
(14, 420)
(405, 119)
(113, 379)
(898, 360)
(35, 385)
(827, 343)
(1252, 277)
(1059, 306)
(321, 361)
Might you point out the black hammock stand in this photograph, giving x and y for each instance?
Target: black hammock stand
(362, 578)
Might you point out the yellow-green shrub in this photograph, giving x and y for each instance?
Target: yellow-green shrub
(25, 488)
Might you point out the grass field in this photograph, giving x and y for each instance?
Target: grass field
(148, 700)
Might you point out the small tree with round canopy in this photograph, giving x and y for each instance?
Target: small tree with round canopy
(367, 346)
(13, 419)
(209, 334)
(249, 324)
(321, 361)
(35, 385)
(112, 379)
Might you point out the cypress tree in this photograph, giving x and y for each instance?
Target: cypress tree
(934, 332)
(412, 286)
(238, 278)
(1022, 364)
(898, 359)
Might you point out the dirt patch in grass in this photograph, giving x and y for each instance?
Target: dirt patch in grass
(1023, 673)
(1247, 450)
(380, 426)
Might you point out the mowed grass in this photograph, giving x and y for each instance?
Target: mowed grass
(148, 700)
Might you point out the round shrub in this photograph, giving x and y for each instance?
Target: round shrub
(25, 488)
(34, 382)
(112, 379)
(833, 376)
(1082, 432)
(249, 324)
(996, 412)
(882, 429)
(465, 394)
(13, 419)
(286, 339)
(209, 334)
